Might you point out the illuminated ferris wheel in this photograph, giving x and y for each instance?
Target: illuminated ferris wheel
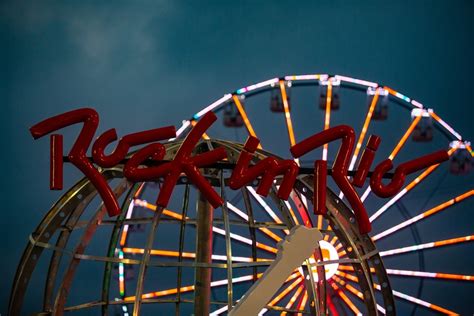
(195, 259)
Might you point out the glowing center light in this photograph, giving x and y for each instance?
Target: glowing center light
(329, 253)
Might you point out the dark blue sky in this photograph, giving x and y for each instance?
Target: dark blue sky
(149, 64)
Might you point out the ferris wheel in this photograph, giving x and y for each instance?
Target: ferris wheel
(191, 258)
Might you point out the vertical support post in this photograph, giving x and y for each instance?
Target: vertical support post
(56, 163)
(202, 283)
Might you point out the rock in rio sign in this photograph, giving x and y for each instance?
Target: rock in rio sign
(138, 169)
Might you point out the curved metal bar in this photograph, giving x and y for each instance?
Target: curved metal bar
(66, 283)
(56, 257)
(181, 246)
(43, 233)
(114, 237)
(358, 247)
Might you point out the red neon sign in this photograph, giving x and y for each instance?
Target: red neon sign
(243, 173)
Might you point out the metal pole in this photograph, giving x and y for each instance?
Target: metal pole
(202, 293)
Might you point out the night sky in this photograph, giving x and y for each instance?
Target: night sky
(151, 64)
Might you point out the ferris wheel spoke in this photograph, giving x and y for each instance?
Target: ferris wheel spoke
(420, 302)
(425, 214)
(409, 187)
(434, 244)
(245, 117)
(292, 213)
(362, 133)
(190, 255)
(285, 292)
(348, 276)
(399, 294)
(291, 277)
(204, 135)
(410, 273)
(265, 206)
(327, 116)
(286, 108)
(244, 216)
(396, 150)
(152, 207)
(215, 229)
(245, 240)
(355, 291)
(432, 275)
(123, 237)
(346, 299)
(190, 288)
(293, 299)
(302, 302)
(341, 253)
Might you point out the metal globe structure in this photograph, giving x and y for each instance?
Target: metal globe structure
(192, 259)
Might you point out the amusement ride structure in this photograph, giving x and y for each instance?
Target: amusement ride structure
(192, 258)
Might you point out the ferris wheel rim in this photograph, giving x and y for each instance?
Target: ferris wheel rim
(265, 85)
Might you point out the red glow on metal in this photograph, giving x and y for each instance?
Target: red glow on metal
(182, 163)
(340, 167)
(401, 172)
(185, 164)
(267, 168)
(56, 163)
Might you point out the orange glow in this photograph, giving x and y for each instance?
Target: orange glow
(153, 207)
(286, 108)
(242, 112)
(204, 135)
(434, 275)
(448, 203)
(189, 288)
(123, 238)
(419, 302)
(390, 90)
(270, 234)
(285, 292)
(189, 255)
(351, 289)
(333, 240)
(442, 310)
(265, 247)
(365, 126)
(470, 150)
(320, 222)
(341, 254)
(140, 189)
(293, 214)
(327, 116)
(434, 244)
(453, 241)
(121, 287)
(346, 299)
(293, 299)
(302, 304)
(404, 137)
(347, 275)
(425, 173)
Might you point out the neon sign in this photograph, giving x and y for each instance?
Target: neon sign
(244, 173)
